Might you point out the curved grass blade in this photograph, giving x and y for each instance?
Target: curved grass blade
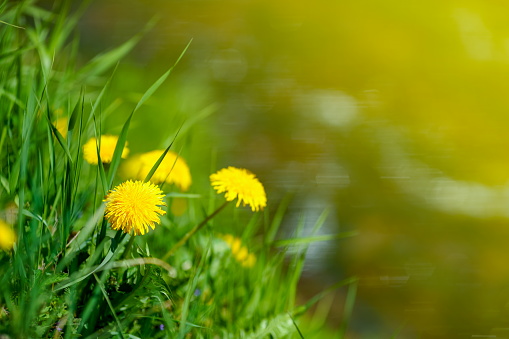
(348, 309)
(102, 174)
(105, 294)
(59, 137)
(101, 94)
(83, 274)
(277, 219)
(102, 62)
(158, 162)
(303, 308)
(159, 81)
(296, 327)
(122, 138)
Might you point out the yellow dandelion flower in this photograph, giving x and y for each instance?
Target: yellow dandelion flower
(61, 124)
(108, 144)
(134, 206)
(239, 252)
(228, 238)
(235, 245)
(242, 254)
(172, 170)
(250, 260)
(7, 236)
(242, 184)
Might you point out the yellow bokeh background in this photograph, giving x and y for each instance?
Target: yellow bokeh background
(392, 114)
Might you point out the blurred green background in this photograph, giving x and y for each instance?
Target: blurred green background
(392, 114)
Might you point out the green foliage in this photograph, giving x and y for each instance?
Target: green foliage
(68, 275)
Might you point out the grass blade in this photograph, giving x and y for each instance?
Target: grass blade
(102, 62)
(159, 81)
(123, 134)
(160, 159)
(278, 218)
(101, 286)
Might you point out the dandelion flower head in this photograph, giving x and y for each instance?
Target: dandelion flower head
(107, 148)
(240, 252)
(134, 206)
(172, 170)
(7, 236)
(242, 184)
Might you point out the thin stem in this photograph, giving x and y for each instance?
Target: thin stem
(193, 231)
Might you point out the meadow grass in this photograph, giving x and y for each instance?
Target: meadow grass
(212, 270)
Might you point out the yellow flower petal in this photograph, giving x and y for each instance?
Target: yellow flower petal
(236, 245)
(172, 170)
(7, 236)
(134, 207)
(239, 252)
(239, 183)
(250, 261)
(107, 148)
(228, 238)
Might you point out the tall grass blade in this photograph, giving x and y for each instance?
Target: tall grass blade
(160, 159)
(105, 295)
(348, 309)
(277, 219)
(123, 134)
(159, 81)
(102, 62)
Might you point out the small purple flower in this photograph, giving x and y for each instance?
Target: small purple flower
(59, 329)
(161, 327)
(197, 292)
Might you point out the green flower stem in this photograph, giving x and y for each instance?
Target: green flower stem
(193, 231)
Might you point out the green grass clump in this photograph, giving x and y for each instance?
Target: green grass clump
(68, 274)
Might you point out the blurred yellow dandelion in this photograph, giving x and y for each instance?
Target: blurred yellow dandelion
(172, 170)
(7, 236)
(250, 260)
(178, 206)
(134, 206)
(61, 124)
(107, 148)
(239, 252)
(242, 184)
